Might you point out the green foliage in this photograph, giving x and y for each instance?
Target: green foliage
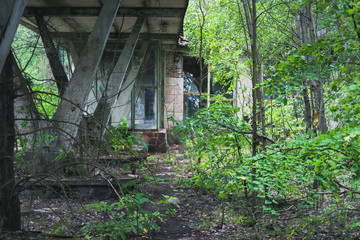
(286, 169)
(121, 140)
(222, 43)
(345, 108)
(60, 226)
(333, 220)
(170, 201)
(30, 53)
(32, 61)
(124, 218)
(123, 143)
(215, 134)
(281, 122)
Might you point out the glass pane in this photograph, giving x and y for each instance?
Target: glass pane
(145, 108)
(147, 72)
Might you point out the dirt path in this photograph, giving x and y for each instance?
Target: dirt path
(184, 225)
(201, 214)
(173, 227)
(189, 208)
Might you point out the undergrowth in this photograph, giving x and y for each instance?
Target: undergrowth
(316, 172)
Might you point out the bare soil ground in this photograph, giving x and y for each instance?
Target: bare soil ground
(41, 216)
(200, 216)
(185, 225)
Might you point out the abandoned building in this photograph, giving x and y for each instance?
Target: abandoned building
(125, 62)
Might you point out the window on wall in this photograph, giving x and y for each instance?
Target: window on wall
(145, 94)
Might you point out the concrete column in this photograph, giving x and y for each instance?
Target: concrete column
(173, 89)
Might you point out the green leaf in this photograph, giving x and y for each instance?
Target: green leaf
(266, 208)
(274, 212)
(337, 197)
(24, 123)
(355, 224)
(222, 195)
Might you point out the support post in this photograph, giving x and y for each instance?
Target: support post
(68, 114)
(74, 54)
(8, 25)
(9, 200)
(53, 55)
(208, 86)
(108, 100)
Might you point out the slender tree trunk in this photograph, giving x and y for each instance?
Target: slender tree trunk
(317, 85)
(308, 32)
(260, 95)
(258, 110)
(255, 79)
(202, 24)
(317, 89)
(301, 32)
(307, 106)
(294, 105)
(355, 23)
(258, 113)
(9, 201)
(258, 98)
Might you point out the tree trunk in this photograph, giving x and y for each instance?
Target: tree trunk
(317, 89)
(256, 98)
(302, 38)
(201, 63)
(307, 106)
(9, 201)
(308, 32)
(258, 110)
(316, 85)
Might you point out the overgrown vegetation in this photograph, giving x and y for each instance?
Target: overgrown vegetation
(125, 218)
(285, 171)
(284, 162)
(305, 152)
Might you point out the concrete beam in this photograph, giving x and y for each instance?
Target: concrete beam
(107, 101)
(73, 52)
(68, 114)
(115, 36)
(10, 14)
(123, 104)
(57, 67)
(94, 11)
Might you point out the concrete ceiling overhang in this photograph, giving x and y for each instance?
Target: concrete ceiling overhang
(74, 19)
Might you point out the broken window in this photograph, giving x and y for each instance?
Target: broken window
(145, 108)
(145, 94)
(138, 101)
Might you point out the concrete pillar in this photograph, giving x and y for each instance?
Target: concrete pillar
(173, 89)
